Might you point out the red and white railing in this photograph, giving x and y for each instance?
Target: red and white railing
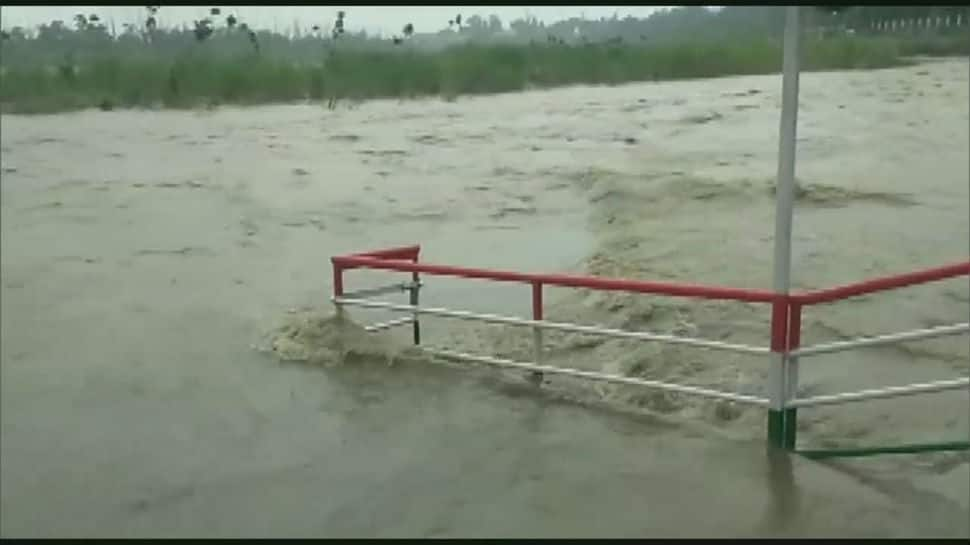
(786, 312)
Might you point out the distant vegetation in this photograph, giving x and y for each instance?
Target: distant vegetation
(220, 59)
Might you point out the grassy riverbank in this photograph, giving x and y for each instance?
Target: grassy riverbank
(197, 77)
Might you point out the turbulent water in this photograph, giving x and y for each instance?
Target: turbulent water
(146, 254)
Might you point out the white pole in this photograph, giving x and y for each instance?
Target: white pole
(782, 372)
(786, 154)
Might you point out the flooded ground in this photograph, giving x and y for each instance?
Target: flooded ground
(146, 256)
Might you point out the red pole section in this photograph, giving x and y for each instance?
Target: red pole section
(883, 284)
(779, 326)
(537, 300)
(401, 252)
(338, 279)
(569, 281)
(794, 326)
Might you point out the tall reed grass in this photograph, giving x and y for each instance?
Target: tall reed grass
(196, 77)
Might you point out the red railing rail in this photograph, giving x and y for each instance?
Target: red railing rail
(409, 253)
(405, 259)
(369, 261)
(882, 284)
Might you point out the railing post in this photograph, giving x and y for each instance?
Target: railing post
(338, 292)
(338, 287)
(794, 341)
(536, 377)
(413, 300)
(777, 383)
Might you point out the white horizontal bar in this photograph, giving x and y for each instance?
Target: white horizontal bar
(940, 331)
(892, 391)
(388, 324)
(548, 369)
(381, 290)
(492, 318)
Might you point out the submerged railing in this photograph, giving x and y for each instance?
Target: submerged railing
(784, 346)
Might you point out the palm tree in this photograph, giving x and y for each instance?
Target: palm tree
(150, 22)
(203, 29)
(251, 35)
(408, 32)
(338, 27)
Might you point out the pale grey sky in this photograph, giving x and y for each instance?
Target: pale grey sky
(387, 19)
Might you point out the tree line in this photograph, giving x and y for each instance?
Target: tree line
(226, 34)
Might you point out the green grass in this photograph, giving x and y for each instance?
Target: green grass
(197, 78)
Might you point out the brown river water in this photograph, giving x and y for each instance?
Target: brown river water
(149, 258)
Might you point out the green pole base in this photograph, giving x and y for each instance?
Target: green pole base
(782, 427)
(791, 428)
(776, 428)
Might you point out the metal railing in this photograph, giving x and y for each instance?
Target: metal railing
(786, 312)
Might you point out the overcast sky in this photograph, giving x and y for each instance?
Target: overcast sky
(387, 19)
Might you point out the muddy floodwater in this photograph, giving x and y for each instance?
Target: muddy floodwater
(149, 260)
